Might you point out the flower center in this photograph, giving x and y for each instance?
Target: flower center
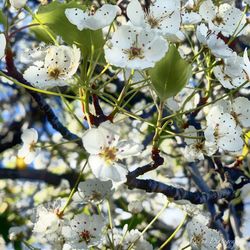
(134, 52)
(85, 235)
(109, 154)
(199, 146)
(54, 73)
(152, 21)
(32, 147)
(218, 20)
(198, 239)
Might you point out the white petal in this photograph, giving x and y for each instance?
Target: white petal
(77, 17)
(124, 36)
(225, 80)
(29, 136)
(201, 33)
(135, 13)
(30, 157)
(103, 17)
(94, 141)
(2, 45)
(24, 150)
(218, 47)
(115, 56)
(156, 50)
(128, 148)
(241, 106)
(17, 4)
(207, 10)
(246, 63)
(190, 18)
(97, 165)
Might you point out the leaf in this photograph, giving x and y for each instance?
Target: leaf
(3, 19)
(53, 17)
(170, 74)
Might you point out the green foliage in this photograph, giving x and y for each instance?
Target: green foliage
(170, 74)
(54, 20)
(3, 19)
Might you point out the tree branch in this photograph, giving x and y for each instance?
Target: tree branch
(38, 175)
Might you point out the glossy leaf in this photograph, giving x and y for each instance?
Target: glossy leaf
(54, 19)
(170, 74)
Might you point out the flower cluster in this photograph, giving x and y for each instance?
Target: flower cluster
(53, 66)
(128, 124)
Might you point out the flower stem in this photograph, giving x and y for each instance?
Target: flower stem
(60, 214)
(174, 233)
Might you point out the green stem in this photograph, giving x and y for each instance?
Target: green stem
(60, 214)
(158, 126)
(174, 233)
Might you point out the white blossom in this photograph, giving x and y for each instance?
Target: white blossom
(18, 4)
(28, 150)
(134, 48)
(196, 148)
(93, 190)
(90, 19)
(223, 131)
(162, 16)
(213, 42)
(48, 224)
(225, 18)
(202, 237)
(135, 207)
(231, 74)
(239, 109)
(106, 150)
(124, 239)
(83, 232)
(59, 65)
(2, 45)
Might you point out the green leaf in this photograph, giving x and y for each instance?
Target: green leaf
(54, 19)
(170, 74)
(3, 19)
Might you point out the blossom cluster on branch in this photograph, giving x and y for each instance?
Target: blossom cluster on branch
(124, 124)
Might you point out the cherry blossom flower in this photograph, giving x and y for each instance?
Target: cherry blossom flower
(93, 20)
(239, 109)
(28, 150)
(231, 74)
(196, 148)
(135, 207)
(2, 45)
(124, 239)
(202, 237)
(18, 4)
(48, 223)
(135, 48)
(93, 190)
(213, 42)
(162, 16)
(59, 65)
(106, 150)
(223, 131)
(225, 18)
(83, 232)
